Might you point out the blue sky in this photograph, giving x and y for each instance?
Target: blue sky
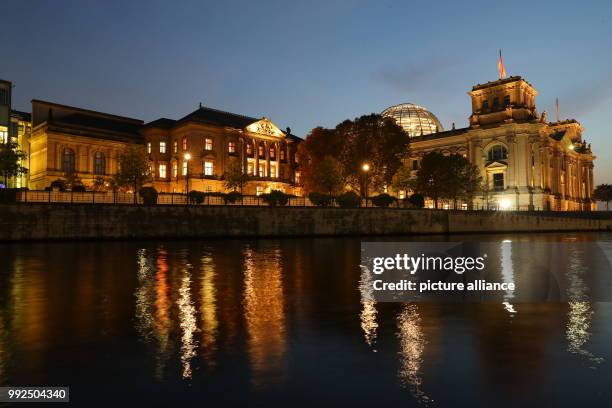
(303, 63)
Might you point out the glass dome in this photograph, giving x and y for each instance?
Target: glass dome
(415, 119)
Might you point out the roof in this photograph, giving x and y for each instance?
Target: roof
(25, 116)
(440, 135)
(218, 117)
(163, 123)
(498, 82)
(78, 119)
(86, 111)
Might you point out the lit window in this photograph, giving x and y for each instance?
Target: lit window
(185, 167)
(68, 160)
(208, 168)
(282, 154)
(249, 149)
(162, 147)
(260, 150)
(208, 144)
(174, 169)
(272, 153)
(231, 147)
(175, 146)
(162, 171)
(262, 170)
(149, 147)
(272, 171)
(3, 134)
(297, 177)
(99, 163)
(184, 143)
(402, 194)
(498, 152)
(250, 168)
(259, 190)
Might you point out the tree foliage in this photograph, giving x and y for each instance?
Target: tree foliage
(328, 175)
(403, 179)
(603, 192)
(10, 161)
(134, 169)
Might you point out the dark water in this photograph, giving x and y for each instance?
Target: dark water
(282, 322)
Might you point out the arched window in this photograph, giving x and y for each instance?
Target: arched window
(261, 151)
(99, 163)
(68, 160)
(497, 152)
(272, 152)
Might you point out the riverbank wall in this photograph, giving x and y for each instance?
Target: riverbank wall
(24, 222)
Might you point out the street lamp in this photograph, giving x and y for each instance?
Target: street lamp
(366, 168)
(187, 157)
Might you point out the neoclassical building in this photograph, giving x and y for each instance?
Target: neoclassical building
(526, 161)
(195, 152)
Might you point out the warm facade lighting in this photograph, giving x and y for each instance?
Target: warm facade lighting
(187, 156)
(504, 204)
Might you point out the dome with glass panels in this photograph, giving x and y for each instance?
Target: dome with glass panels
(415, 119)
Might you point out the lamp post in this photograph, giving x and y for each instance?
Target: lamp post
(365, 167)
(187, 157)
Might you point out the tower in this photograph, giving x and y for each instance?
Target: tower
(5, 110)
(505, 100)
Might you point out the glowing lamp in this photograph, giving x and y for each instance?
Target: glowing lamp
(505, 204)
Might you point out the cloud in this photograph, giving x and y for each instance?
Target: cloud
(413, 76)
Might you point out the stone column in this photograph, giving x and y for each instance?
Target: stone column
(511, 173)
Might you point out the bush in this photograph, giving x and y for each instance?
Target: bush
(149, 195)
(318, 199)
(9, 195)
(58, 184)
(416, 200)
(78, 188)
(233, 197)
(350, 199)
(383, 200)
(275, 197)
(196, 197)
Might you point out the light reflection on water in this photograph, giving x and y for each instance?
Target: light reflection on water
(260, 317)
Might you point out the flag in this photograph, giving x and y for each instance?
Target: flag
(500, 66)
(557, 108)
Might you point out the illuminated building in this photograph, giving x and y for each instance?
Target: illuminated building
(526, 162)
(201, 147)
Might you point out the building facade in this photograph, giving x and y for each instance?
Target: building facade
(15, 127)
(526, 162)
(195, 152)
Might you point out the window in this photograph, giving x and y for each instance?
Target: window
(495, 102)
(185, 162)
(507, 100)
(262, 170)
(282, 154)
(3, 134)
(485, 105)
(260, 150)
(249, 149)
(498, 152)
(184, 143)
(272, 153)
(99, 163)
(498, 181)
(259, 190)
(208, 168)
(231, 147)
(162, 171)
(415, 165)
(149, 147)
(175, 147)
(68, 160)
(208, 144)
(174, 169)
(162, 147)
(250, 168)
(297, 177)
(273, 171)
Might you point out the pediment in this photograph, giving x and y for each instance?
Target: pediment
(265, 127)
(496, 164)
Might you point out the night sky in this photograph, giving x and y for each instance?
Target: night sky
(305, 64)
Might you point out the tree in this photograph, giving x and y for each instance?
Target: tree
(403, 180)
(463, 179)
(134, 170)
(603, 192)
(235, 178)
(328, 175)
(319, 143)
(10, 161)
(99, 183)
(432, 177)
(471, 181)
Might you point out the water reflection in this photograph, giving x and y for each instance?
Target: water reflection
(264, 315)
(187, 320)
(507, 272)
(369, 325)
(580, 314)
(412, 345)
(210, 322)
